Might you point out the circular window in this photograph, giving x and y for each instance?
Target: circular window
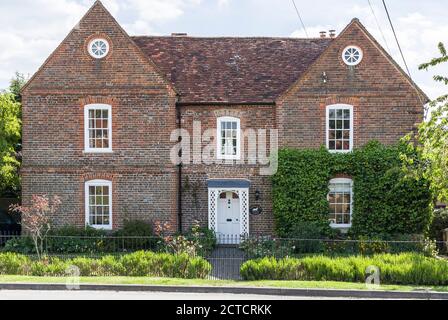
(98, 48)
(352, 55)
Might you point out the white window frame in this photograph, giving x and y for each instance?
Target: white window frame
(88, 108)
(221, 156)
(343, 181)
(90, 48)
(98, 183)
(352, 64)
(327, 126)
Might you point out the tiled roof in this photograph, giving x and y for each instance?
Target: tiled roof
(234, 70)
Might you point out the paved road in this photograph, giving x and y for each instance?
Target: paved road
(105, 295)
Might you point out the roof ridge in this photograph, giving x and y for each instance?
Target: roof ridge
(233, 37)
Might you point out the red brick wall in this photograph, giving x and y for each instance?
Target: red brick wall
(386, 106)
(143, 116)
(251, 117)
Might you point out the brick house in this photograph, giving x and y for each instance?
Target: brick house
(100, 119)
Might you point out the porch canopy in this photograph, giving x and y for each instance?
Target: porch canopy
(228, 184)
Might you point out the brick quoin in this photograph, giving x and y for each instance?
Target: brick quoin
(138, 80)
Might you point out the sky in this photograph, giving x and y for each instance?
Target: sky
(31, 29)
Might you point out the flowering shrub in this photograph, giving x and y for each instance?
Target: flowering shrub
(36, 218)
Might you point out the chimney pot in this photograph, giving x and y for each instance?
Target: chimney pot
(179, 34)
(323, 34)
(332, 34)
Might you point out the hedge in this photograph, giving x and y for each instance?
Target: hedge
(386, 200)
(141, 264)
(402, 269)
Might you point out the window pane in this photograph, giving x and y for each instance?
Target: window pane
(346, 145)
(332, 114)
(338, 134)
(347, 114)
(234, 125)
(97, 113)
(332, 124)
(105, 114)
(347, 219)
(332, 145)
(346, 124)
(339, 124)
(339, 113)
(332, 134)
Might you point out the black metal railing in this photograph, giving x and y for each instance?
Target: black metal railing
(225, 258)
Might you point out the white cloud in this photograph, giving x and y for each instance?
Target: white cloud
(223, 3)
(32, 29)
(418, 34)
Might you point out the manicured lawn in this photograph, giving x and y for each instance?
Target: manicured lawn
(187, 282)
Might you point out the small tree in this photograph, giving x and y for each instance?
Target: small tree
(36, 219)
(431, 142)
(10, 135)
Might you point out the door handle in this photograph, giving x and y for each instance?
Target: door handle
(229, 220)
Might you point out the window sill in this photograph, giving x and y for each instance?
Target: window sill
(339, 151)
(108, 228)
(98, 151)
(229, 158)
(340, 226)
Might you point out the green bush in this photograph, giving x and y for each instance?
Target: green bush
(48, 268)
(309, 235)
(142, 264)
(138, 236)
(266, 247)
(402, 269)
(439, 223)
(139, 264)
(269, 268)
(386, 200)
(12, 263)
(72, 231)
(135, 235)
(23, 245)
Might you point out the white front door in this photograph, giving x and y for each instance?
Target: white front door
(229, 217)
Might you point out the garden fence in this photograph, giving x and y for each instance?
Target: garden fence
(225, 258)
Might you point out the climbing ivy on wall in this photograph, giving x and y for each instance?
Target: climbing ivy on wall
(386, 201)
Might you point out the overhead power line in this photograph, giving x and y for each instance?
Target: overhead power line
(396, 38)
(379, 27)
(300, 18)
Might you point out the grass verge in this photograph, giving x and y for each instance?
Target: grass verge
(217, 283)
